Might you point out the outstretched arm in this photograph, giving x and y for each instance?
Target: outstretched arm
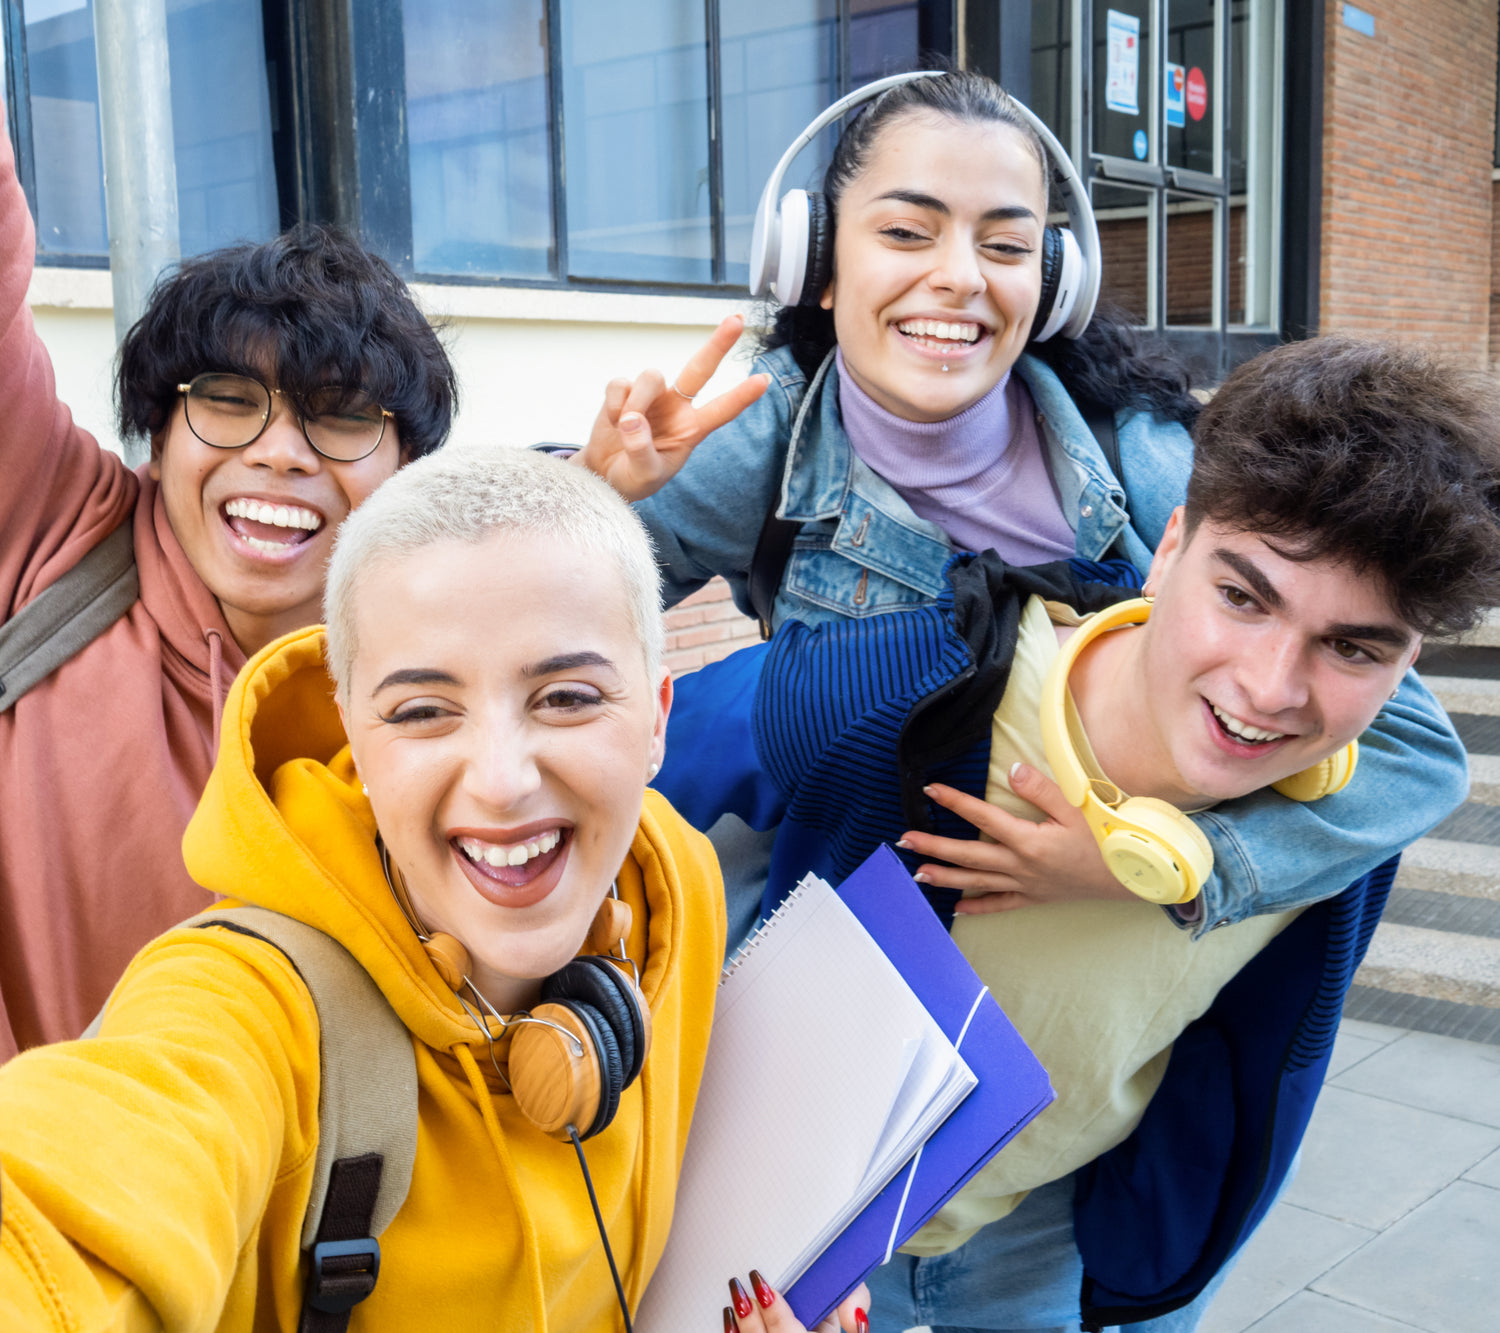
(1270, 853)
(137, 1164)
(647, 428)
(60, 494)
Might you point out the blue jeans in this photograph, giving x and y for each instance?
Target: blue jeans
(1021, 1274)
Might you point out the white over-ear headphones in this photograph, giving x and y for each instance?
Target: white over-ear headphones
(791, 250)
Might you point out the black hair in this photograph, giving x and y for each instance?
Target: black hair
(310, 308)
(1111, 365)
(1372, 455)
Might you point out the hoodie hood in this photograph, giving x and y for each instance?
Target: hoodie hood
(284, 824)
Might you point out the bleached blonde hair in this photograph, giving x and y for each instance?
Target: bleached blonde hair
(470, 494)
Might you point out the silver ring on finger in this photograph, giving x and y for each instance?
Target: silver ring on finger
(680, 394)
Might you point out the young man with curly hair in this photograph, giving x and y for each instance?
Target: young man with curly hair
(278, 384)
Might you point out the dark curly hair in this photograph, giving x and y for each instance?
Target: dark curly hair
(1377, 456)
(1111, 365)
(311, 308)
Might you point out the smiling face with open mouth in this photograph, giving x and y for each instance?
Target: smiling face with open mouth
(257, 523)
(502, 717)
(1252, 667)
(937, 263)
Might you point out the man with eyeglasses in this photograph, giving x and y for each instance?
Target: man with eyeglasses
(278, 384)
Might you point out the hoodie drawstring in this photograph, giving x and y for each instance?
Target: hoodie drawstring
(215, 683)
(532, 1244)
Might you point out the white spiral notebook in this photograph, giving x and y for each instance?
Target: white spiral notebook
(825, 1075)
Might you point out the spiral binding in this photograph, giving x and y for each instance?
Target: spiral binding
(754, 938)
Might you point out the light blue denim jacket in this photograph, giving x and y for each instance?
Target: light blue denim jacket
(862, 551)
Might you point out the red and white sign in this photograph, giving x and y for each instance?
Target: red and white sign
(1197, 93)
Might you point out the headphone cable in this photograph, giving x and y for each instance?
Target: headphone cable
(599, 1220)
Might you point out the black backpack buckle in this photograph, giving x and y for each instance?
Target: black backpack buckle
(343, 1273)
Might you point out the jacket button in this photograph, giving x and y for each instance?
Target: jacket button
(1087, 511)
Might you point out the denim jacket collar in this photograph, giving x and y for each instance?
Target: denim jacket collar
(824, 480)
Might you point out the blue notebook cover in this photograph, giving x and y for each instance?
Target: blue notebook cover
(1012, 1086)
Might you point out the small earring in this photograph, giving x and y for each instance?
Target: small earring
(652, 771)
(364, 789)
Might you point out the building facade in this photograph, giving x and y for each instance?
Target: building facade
(569, 184)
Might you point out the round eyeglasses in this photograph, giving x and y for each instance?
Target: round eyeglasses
(231, 411)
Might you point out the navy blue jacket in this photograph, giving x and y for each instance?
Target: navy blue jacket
(830, 732)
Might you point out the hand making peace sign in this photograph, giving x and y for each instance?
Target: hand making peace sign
(647, 428)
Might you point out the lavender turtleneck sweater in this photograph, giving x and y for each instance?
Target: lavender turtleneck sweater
(980, 476)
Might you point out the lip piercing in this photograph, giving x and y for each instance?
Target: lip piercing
(945, 367)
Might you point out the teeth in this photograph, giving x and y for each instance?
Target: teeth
(515, 854)
(280, 516)
(1244, 730)
(937, 328)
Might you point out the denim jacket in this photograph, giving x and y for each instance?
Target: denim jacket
(862, 551)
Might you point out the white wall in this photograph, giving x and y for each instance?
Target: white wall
(532, 364)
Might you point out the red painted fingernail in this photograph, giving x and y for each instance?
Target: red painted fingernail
(728, 1320)
(763, 1292)
(742, 1306)
(861, 1322)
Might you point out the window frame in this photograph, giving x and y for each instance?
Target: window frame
(1000, 46)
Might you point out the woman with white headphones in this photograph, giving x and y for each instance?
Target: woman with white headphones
(938, 378)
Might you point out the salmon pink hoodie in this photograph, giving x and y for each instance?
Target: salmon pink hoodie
(101, 764)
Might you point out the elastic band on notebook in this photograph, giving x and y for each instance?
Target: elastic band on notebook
(911, 1173)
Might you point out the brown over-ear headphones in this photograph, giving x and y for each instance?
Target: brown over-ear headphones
(574, 1054)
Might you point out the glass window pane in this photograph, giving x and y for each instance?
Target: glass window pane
(1253, 148)
(1188, 85)
(1192, 258)
(1052, 65)
(1123, 213)
(65, 128)
(778, 69)
(221, 124)
(479, 151)
(882, 39)
(1124, 79)
(635, 118)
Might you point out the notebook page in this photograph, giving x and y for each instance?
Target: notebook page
(810, 1047)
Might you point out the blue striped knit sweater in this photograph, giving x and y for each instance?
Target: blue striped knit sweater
(829, 734)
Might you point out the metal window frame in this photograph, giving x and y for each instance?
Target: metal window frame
(340, 145)
(998, 42)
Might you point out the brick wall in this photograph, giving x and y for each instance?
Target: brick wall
(1408, 143)
(706, 627)
(1495, 277)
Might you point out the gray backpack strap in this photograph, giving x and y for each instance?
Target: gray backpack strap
(367, 1112)
(69, 615)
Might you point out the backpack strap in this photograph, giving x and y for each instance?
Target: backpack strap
(68, 615)
(773, 549)
(1101, 424)
(367, 1113)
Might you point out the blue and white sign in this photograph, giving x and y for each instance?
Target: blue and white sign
(1122, 64)
(1176, 96)
(1141, 144)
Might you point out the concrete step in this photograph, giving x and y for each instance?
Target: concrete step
(1484, 779)
(1465, 694)
(1438, 865)
(1486, 635)
(1433, 964)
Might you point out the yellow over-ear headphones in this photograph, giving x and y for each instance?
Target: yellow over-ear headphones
(572, 1056)
(1149, 845)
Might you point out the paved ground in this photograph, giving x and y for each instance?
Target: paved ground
(1393, 1223)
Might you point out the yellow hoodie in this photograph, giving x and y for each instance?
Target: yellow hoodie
(157, 1175)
